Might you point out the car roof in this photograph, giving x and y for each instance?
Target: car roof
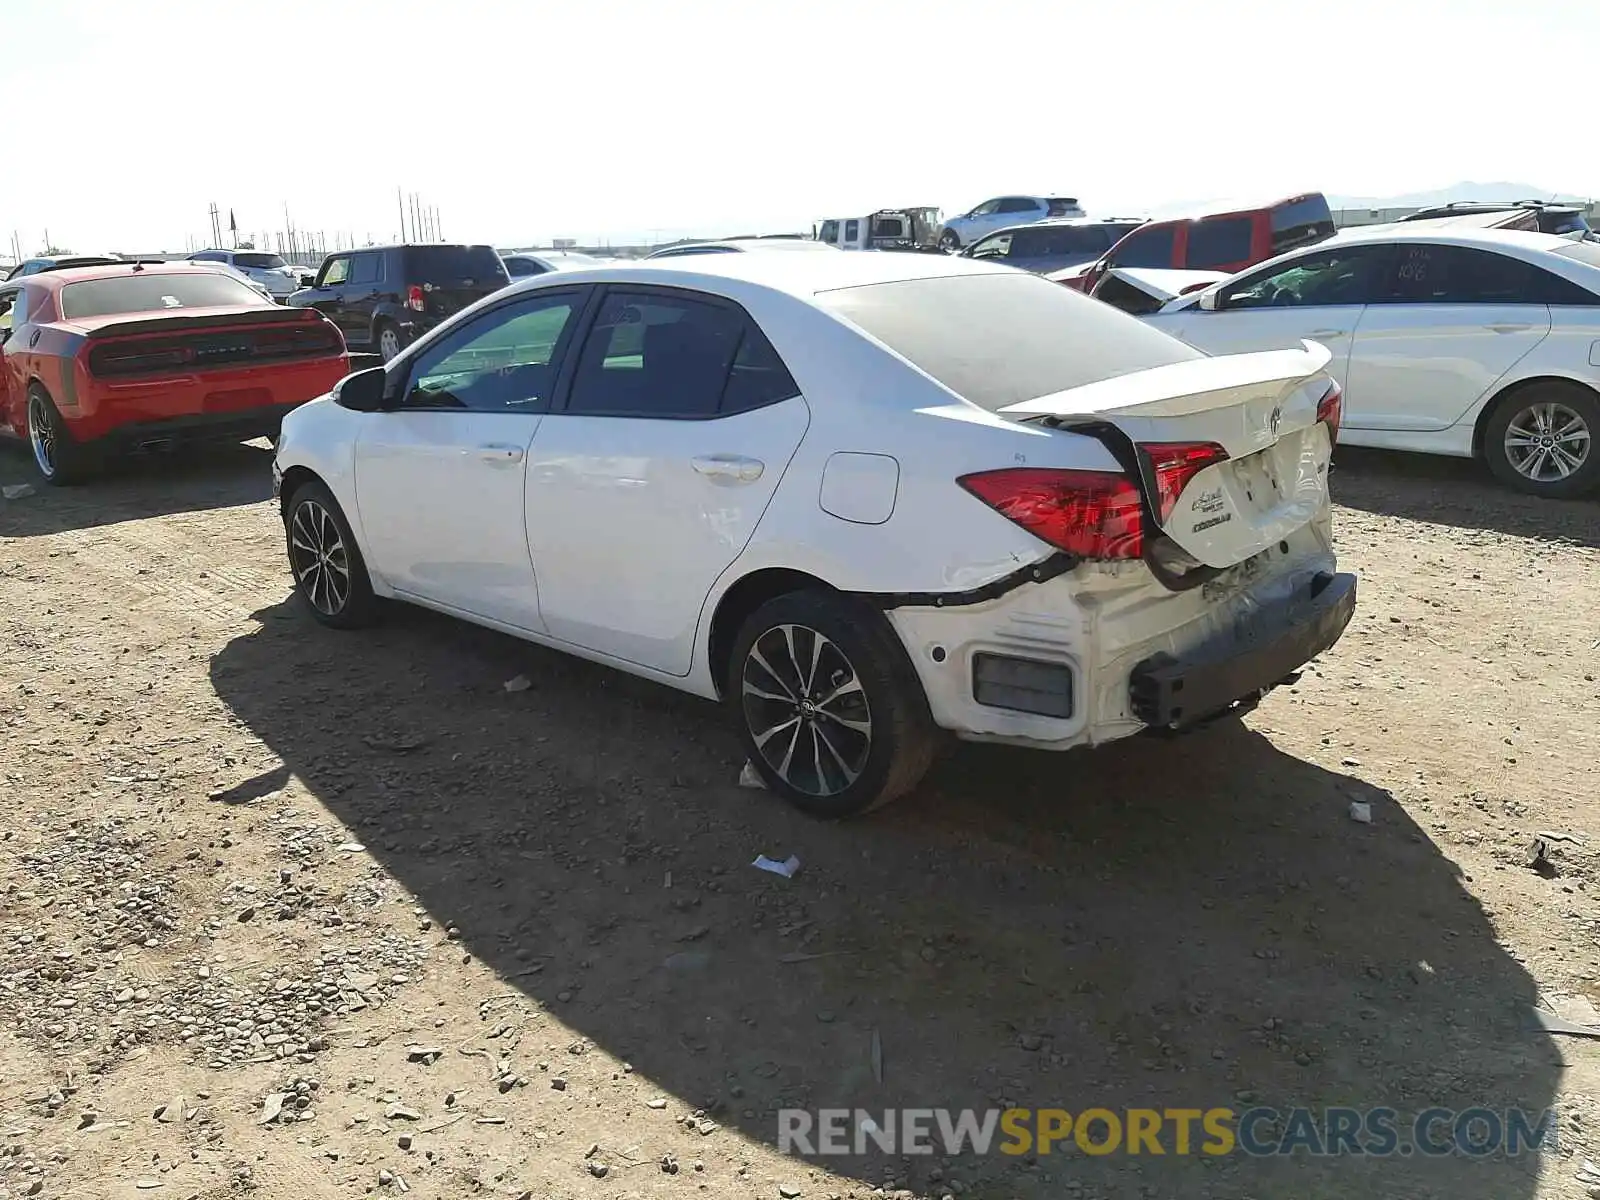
(801, 275)
(1070, 222)
(1446, 233)
(741, 244)
(68, 275)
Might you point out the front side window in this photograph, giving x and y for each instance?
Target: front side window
(1148, 247)
(151, 291)
(829, 232)
(1218, 243)
(986, 209)
(336, 272)
(997, 247)
(671, 357)
(1344, 276)
(10, 311)
(501, 362)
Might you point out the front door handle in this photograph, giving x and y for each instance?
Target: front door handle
(1510, 327)
(729, 468)
(500, 455)
(1322, 333)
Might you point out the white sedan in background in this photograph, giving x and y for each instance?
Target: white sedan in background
(1447, 340)
(859, 498)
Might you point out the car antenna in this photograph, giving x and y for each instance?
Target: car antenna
(137, 266)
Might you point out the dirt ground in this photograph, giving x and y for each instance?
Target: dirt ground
(292, 913)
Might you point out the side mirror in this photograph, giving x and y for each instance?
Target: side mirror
(362, 391)
(1208, 301)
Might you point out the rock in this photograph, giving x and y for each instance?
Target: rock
(789, 1191)
(247, 914)
(598, 1169)
(271, 1107)
(125, 995)
(424, 1054)
(1030, 1041)
(559, 1083)
(669, 1164)
(403, 1141)
(657, 1103)
(171, 1111)
(399, 1112)
(87, 1119)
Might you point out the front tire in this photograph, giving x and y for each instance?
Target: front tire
(949, 241)
(60, 461)
(1541, 440)
(827, 705)
(329, 572)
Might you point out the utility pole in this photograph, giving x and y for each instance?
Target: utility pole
(400, 200)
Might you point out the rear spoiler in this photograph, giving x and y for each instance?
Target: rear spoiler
(172, 322)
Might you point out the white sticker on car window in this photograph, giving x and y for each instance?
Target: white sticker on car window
(172, 302)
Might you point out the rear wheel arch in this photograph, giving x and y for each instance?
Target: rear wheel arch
(1510, 392)
(743, 598)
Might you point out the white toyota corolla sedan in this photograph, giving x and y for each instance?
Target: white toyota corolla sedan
(859, 498)
(1447, 339)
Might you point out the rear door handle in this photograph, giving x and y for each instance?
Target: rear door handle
(500, 456)
(1509, 327)
(730, 468)
(1320, 333)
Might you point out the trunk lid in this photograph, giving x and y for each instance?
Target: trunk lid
(1261, 409)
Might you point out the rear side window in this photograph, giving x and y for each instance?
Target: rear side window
(366, 268)
(1151, 246)
(1428, 274)
(1018, 204)
(670, 357)
(150, 292)
(1002, 338)
(453, 264)
(1219, 243)
(1300, 223)
(852, 230)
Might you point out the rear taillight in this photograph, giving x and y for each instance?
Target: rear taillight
(1329, 409)
(414, 298)
(1091, 514)
(1174, 464)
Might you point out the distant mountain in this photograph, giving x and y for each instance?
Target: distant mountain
(1461, 191)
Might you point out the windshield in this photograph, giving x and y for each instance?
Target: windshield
(453, 264)
(259, 261)
(149, 292)
(1004, 338)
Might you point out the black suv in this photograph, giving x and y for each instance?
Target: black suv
(1550, 218)
(385, 297)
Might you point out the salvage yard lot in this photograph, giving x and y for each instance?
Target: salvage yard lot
(253, 858)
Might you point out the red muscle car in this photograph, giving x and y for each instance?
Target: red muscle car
(106, 360)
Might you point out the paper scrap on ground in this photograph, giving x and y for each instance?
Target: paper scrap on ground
(1361, 811)
(786, 868)
(518, 683)
(17, 491)
(751, 778)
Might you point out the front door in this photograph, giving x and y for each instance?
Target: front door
(440, 478)
(329, 296)
(11, 394)
(1450, 322)
(649, 481)
(1316, 297)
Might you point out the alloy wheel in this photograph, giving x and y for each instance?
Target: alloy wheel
(1547, 442)
(42, 435)
(318, 557)
(806, 710)
(388, 344)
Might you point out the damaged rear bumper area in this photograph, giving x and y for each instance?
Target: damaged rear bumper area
(1173, 694)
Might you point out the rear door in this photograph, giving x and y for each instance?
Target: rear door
(1447, 324)
(440, 478)
(647, 482)
(1317, 296)
(362, 290)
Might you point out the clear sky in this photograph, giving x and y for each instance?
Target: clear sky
(523, 121)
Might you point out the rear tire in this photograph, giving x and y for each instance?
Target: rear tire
(60, 461)
(330, 575)
(1538, 432)
(828, 707)
(386, 337)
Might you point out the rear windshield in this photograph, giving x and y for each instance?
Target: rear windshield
(1061, 206)
(149, 292)
(1300, 223)
(1004, 338)
(453, 264)
(258, 261)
